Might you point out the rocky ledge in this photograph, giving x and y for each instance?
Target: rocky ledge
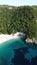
(28, 40)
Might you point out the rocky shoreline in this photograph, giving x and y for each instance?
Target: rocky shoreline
(34, 41)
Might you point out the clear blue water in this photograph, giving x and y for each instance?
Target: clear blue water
(18, 52)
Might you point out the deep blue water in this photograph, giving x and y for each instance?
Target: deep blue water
(18, 52)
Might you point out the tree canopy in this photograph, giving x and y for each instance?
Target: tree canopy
(18, 19)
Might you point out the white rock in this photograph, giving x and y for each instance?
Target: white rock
(29, 40)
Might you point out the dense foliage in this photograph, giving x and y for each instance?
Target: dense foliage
(18, 19)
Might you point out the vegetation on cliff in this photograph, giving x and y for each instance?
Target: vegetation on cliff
(18, 19)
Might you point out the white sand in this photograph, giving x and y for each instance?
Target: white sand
(6, 37)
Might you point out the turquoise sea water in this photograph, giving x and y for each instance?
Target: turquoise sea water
(18, 52)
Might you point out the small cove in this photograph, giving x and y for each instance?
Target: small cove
(14, 50)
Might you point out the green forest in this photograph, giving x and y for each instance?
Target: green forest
(18, 19)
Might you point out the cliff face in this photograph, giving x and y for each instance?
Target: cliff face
(18, 19)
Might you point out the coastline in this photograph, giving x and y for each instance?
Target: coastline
(6, 37)
(32, 41)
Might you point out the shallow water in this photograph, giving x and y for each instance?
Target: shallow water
(18, 52)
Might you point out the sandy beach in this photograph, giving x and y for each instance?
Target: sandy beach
(6, 37)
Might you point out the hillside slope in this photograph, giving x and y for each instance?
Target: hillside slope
(21, 19)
